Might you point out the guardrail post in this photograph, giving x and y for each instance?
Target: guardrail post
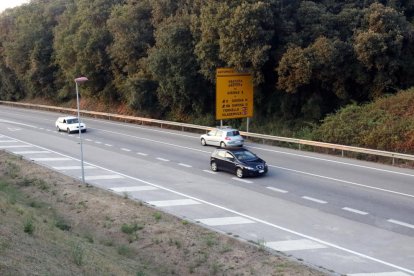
(300, 147)
(342, 153)
(393, 160)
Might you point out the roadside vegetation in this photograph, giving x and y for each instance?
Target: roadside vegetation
(52, 225)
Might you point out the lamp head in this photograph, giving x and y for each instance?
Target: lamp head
(81, 79)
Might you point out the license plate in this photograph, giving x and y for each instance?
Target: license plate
(261, 171)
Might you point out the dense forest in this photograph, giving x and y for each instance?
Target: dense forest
(158, 57)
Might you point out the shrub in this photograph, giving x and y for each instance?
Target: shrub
(28, 226)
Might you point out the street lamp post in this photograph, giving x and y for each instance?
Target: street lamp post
(78, 81)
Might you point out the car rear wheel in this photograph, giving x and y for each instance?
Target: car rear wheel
(239, 172)
(213, 166)
(203, 142)
(222, 144)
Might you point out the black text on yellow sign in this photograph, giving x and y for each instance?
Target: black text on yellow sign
(234, 94)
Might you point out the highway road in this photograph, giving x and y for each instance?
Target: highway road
(341, 215)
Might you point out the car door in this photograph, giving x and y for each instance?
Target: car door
(210, 137)
(217, 138)
(229, 162)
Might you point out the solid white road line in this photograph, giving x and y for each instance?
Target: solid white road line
(342, 181)
(314, 199)
(64, 168)
(177, 202)
(30, 151)
(355, 211)
(103, 177)
(225, 221)
(51, 159)
(15, 146)
(292, 245)
(401, 223)
(8, 141)
(396, 273)
(277, 190)
(133, 189)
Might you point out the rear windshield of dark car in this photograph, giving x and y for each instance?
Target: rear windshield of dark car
(233, 133)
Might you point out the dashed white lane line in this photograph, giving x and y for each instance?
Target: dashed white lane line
(133, 189)
(124, 149)
(89, 140)
(314, 199)
(225, 221)
(162, 159)
(211, 172)
(108, 145)
(401, 223)
(185, 165)
(97, 142)
(65, 168)
(103, 177)
(31, 152)
(242, 180)
(277, 190)
(176, 202)
(15, 146)
(142, 154)
(396, 273)
(292, 245)
(51, 159)
(355, 211)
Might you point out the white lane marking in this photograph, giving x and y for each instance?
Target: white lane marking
(142, 154)
(225, 221)
(401, 223)
(108, 145)
(185, 165)
(155, 141)
(211, 172)
(356, 253)
(103, 177)
(89, 140)
(133, 189)
(162, 159)
(292, 245)
(51, 159)
(15, 146)
(314, 199)
(355, 211)
(30, 151)
(333, 161)
(396, 273)
(124, 149)
(242, 180)
(97, 142)
(176, 202)
(343, 181)
(277, 190)
(8, 141)
(65, 168)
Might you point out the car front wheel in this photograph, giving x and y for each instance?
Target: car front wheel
(57, 128)
(213, 166)
(68, 131)
(222, 144)
(203, 142)
(239, 172)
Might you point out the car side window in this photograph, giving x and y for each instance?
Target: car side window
(212, 132)
(222, 154)
(219, 133)
(64, 121)
(229, 156)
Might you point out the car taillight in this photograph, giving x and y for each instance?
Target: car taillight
(227, 138)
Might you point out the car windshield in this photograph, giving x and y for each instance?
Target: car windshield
(245, 155)
(73, 121)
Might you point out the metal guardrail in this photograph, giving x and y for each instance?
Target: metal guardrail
(183, 126)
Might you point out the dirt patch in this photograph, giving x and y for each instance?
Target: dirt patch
(50, 224)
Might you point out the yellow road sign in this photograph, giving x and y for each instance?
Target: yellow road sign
(234, 94)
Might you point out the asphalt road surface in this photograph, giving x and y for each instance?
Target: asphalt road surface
(343, 215)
